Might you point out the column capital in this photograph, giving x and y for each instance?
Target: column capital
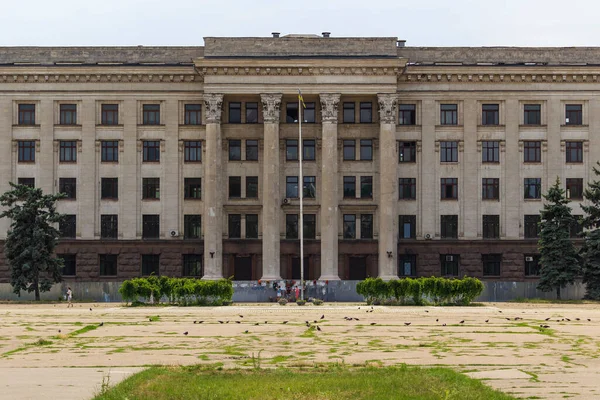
(387, 108)
(271, 102)
(213, 104)
(329, 107)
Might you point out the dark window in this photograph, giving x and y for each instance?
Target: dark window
(366, 187)
(490, 189)
(109, 188)
(150, 188)
(291, 187)
(291, 113)
(490, 152)
(533, 188)
(150, 264)
(26, 151)
(68, 151)
(151, 114)
(251, 226)
(108, 264)
(110, 114)
(366, 226)
(573, 114)
(532, 226)
(576, 227)
(366, 112)
(235, 226)
(151, 151)
(448, 114)
(69, 264)
(109, 226)
(192, 265)
(532, 152)
(407, 226)
(532, 264)
(574, 152)
(366, 149)
(490, 114)
(68, 226)
(310, 226)
(449, 226)
(296, 274)
(110, 151)
(291, 226)
(30, 182)
(68, 186)
(235, 113)
(192, 114)
(491, 264)
(235, 150)
(310, 187)
(533, 114)
(449, 151)
(150, 226)
(349, 226)
(407, 265)
(26, 114)
(308, 150)
(192, 188)
(491, 226)
(450, 264)
(449, 188)
(251, 150)
(407, 152)
(192, 226)
(235, 187)
(349, 113)
(192, 150)
(350, 187)
(308, 114)
(407, 114)
(349, 150)
(251, 113)
(252, 187)
(291, 150)
(407, 188)
(68, 114)
(575, 188)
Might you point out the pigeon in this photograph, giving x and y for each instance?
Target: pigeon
(315, 321)
(246, 331)
(487, 320)
(437, 320)
(372, 323)
(195, 322)
(547, 319)
(577, 319)
(237, 322)
(285, 322)
(443, 324)
(426, 310)
(59, 331)
(101, 324)
(90, 309)
(318, 328)
(568, 319)
(323, 316)
(150, 319)
(359, 308)
(226, 322)
(256, 323)
(266, 322)
(589, 320)
(462, 322)
(200, 322)
(356, 319)
(407, 323)
(241, 316)
(508, 319)
(546, 326)
(185, 333)
(220, 322)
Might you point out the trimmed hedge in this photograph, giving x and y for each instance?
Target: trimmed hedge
(180, 291)
(438, 291)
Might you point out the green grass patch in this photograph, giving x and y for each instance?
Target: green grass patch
(83, 330)
(153, 318)
(551, 301)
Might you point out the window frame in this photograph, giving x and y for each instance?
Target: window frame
(235, 187)
(108, 115)
(573, 114)
(532, 112)
(192, 188)
(576, 183)
(26, 114)
(366, 150)
(528, 222)
(490, 188)
(108, 261)
(349, 180)
(67, 114)
(490, 152)
(412, 151)
(407, 188)
(448, 151)
(412, 261)
(532, 268)
(491, 264)
(347, 107)
(490, 226)
(252, 145)
(151, 151)
(251, 107)
(109, 184)
(234, 115)
(532, 188)
(573, 152)
(450, 268)
(451, 183)
(192, 151)
(151, 114)
(407, 219)
(252, 226)
(192, 226)
(150, 265)
(449, 226)
(234, 226)
(109, 149)
(365, 183)
(150, 226)
(366, 226)
(192, 114)
(448, 114)
(250, 182)
(407, 114)
(490, 114)
(196, 261)
(349, 226)
(68, 186)
(68, 226)
(289, 187)
(67, 151)
(366, 112)
(109, 226)
(309, 152)
(26, 151)
(234, 147)
(532, 147)
(69, 268)
(151, 188)
(349, 145)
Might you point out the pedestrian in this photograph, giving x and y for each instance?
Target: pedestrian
(69, 297)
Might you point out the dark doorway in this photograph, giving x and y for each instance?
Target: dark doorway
(358, 268)
(242, 269)
(296, 269)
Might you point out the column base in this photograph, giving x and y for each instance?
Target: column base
(212, 277)
(388, 277)
(270, 278)
(329, 278)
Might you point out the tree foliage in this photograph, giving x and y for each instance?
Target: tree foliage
(590, 252)
(31, 239)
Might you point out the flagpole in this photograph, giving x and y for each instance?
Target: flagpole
(301, 190)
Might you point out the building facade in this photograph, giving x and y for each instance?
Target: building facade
(183, 161)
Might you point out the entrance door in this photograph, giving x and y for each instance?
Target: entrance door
(242, 269)
(296, 268)
(358, 268)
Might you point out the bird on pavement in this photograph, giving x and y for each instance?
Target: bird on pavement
(547, 319)
(195, 322)
(101, 324)
(577, 319)
(443, 324)
(589, 320)
(356, 319)
(487, 320)
(185, 333)
(200, 322)
(220, 322)
(241, 316)
(246, 331)
(90, 309)
(237, 322)
(462, 322)
(256, 323)
(372, 323)
(318, 328)
(285, 322)
(437, 319)
(407, 323)
(59, 331)
(323, 316)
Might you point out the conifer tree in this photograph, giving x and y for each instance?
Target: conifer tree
(590, 252)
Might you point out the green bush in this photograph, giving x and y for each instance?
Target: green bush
(282, 301)
(300, 302)
(317, 302)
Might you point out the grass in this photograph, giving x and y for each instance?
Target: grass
(331, 382)
(551, 301)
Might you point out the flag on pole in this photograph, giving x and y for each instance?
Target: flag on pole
(301, 99)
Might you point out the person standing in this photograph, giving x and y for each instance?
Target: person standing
(69, 297)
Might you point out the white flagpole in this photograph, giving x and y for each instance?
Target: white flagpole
(301, 190)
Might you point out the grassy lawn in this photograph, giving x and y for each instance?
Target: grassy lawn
(337, 383)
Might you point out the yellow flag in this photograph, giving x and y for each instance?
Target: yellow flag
(301, 99)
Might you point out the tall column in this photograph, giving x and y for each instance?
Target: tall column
(388, 184)
(213, 198)
(271, 197)
(329, 188)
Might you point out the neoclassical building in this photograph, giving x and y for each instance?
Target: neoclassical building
(183, 161)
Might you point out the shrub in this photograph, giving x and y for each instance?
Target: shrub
(318, 302)
(300, 302)
(282, 301)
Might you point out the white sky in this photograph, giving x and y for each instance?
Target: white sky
(186, 22)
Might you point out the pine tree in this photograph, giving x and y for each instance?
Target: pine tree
(590, 252)
(558, 257)
(31, 239)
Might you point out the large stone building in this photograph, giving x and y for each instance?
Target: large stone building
(183, 160)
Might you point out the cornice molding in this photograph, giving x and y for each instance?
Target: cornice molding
(499, 78)
(98, 78)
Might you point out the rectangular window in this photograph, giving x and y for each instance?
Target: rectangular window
(531, 226)
(29, 182)
(449, 151)
(108, 264)
(532, 152)
(251, 226)
(308, 114)
(69, 264)
(349, 150)
(576, 227)
(291, 226)
(574, 152)
(575, 188)
(109, 226)
(449, 226)
(67, 151)
(366, 112)
(491, 264)
(491, 226)
(151, 150)
(68, 186)
(235, 226)
(366, 226)
(349, 226)
(109, 188)
(252, 113)
(109, 114)
(150, 188)
(291, 113)
(68, 226)
(532, 114)
(150, 264)
(448, 114)
(407, 152)
(192, 150)
(532, 264)
(291, 150)
(308, 150)
(310, 187)
(449, 188)
(407, 226)
(68, 114)
(490, 189)
(490, 152)
(192, 226)
(407, 265)
(251, 150)
(366, 150)
(533, 188)
(450, 264)
(235, 113)
(109, 151)
(235, 150)
(366, 187)
(150, 226)
(291, 187)
(192, 188)
(235, 187)
(310, 226)
(349, 113)
(151, 114)
(490, 114)
(407, 188)
(192, 114)
(26, 151)
(407, 114)
(26, 114)
(573, 114)
(252, 187)
(349, 187)
(192, 265)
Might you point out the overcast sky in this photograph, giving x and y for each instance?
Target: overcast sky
(186, 22)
